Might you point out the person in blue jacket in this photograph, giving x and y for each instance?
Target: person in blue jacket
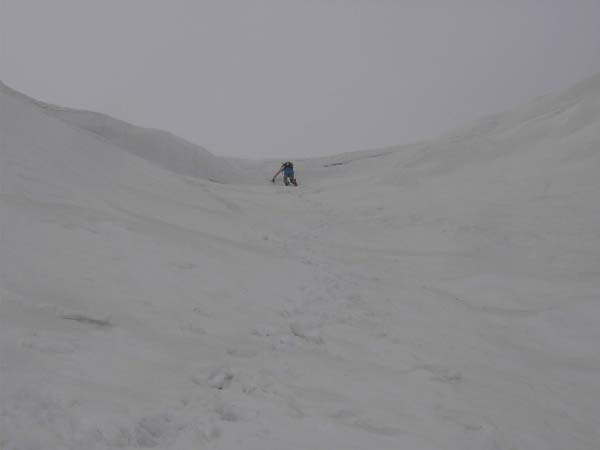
(288, 174)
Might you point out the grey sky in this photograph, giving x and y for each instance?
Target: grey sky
(260, 78)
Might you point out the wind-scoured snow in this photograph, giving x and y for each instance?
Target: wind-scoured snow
(442, 295)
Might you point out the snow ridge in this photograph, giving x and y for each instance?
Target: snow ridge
(160, 147)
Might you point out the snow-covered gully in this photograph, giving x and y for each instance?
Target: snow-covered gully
(441, 295)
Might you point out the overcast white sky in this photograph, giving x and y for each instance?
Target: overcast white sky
(295, 78)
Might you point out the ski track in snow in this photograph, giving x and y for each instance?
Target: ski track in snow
(436, 296)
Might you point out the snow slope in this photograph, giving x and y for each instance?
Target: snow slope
(160, 147)
(443, 295)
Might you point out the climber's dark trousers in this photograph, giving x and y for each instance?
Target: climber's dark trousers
(289, 178)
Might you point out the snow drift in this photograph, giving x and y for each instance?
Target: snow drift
(442, 295)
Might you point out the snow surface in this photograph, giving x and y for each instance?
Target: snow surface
(443, 295)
